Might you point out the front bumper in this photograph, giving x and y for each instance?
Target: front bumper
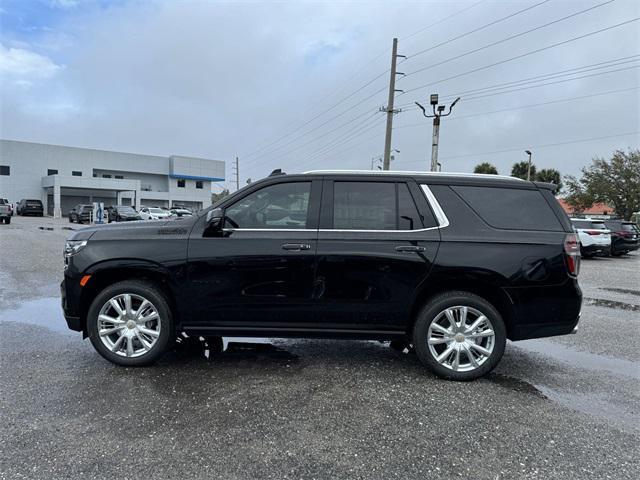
(70, 305)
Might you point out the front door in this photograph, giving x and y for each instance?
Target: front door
(375, 248)
(259, 272)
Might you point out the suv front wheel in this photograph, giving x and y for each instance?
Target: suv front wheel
(459, 336)
(130, 324)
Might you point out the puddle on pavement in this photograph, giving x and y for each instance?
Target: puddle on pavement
(582, 360)
(43, 312)
(515, 384)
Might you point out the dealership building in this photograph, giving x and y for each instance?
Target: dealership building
(65, 176)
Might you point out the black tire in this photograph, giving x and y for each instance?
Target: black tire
(430, 312)
(148, 291)
(70, 219)
(7, 220)
(78, 220)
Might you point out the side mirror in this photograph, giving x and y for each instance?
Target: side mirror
(214, 218)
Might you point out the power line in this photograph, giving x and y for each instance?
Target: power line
(522, 55)
(492, 94)
(442, 20)
(545, 76)
(522, 107)
(251, 154)
(486, 25)
(509, 38)
(345, 137)
(507, 150)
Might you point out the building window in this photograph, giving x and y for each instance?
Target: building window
(181, 183)
(52, 171)
(106, 175)
(5, 170)
(95, 175)
(199, 184)
(119, 177)
(76, 173)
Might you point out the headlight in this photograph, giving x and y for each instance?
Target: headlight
(71, 247)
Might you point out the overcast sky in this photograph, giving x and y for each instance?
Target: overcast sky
(299, 85)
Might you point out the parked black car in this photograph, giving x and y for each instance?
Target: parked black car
(625, 237)
(81, 214)
(453, 264)
(123, 213)
(30, 207)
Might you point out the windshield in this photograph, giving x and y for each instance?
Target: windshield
(589, 224)
(126, 210)
(156, 210)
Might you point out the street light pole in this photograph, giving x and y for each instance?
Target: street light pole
(438, 111)
(528, 152)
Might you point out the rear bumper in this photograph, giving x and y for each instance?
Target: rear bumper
(545, 311)
(591, 250)
(621, 246)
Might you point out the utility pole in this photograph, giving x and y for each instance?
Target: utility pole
(390, 110)
(528, 152)
(237, 171)
(438, 111)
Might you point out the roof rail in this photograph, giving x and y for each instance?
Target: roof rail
(406, 172)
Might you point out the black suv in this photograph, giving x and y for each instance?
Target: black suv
(30, 207)
(453, 265)
(625, 237)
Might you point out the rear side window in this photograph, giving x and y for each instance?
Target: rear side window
(364, 206)
(510, 208)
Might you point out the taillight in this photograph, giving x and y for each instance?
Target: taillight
(572, 254)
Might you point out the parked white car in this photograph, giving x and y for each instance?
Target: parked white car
(594, 236)
(154, 213)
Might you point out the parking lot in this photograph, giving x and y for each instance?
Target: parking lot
(564, 407)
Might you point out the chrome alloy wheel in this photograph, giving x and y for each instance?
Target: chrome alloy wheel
(129, 325)
(461, 338)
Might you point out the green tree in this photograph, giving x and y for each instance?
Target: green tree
(615, 182)
(216, 197)
(485, 167)
(550, 175)
(519, 170)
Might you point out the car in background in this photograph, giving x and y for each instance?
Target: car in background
(5, 211)
(81, 214)
(6, 202)
(181, 212)
(123, 213)
(625, 237)
(154, 213)
(594, 237)
(30, 207)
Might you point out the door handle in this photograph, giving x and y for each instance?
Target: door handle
(296, 246)
(409, 248)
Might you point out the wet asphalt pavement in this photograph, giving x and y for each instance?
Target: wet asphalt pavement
(566, 407)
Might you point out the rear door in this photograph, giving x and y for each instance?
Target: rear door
(376, 244)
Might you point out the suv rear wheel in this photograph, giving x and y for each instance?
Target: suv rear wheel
(459, 336)
(130, 324)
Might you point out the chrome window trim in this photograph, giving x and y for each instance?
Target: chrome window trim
(441, 217)
(412, 173)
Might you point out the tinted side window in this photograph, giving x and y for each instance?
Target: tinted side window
(364, 205)
(284, 205)
(408, 216)
(510, 208)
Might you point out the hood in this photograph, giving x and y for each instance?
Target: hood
(116, 231)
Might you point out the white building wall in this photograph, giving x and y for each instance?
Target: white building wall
(29, 162)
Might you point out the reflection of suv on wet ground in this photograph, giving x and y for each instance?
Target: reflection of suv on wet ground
(453, 264)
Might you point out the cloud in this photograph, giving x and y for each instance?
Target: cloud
(26, 65)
